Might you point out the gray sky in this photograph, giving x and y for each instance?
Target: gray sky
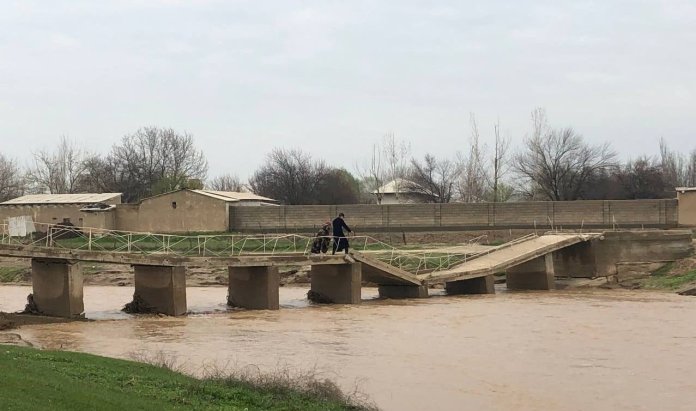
(332, 77)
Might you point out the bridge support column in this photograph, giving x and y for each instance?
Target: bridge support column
(338, 284)
(161, 288)
(403, 291)
(255, 288)
(537, 274)
(479, 285)
(578, 260)
(57, 287)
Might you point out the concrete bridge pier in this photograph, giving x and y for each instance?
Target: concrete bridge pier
(163, 288)
(536, 274)
(578, 260)
(57, 287)
(255, 288)
(478, 285)
(403, 291)
(338, 284)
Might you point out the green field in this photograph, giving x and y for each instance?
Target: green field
(12, 274)
(664, 279)
(57, 380)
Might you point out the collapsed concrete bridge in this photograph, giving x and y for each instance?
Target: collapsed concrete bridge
(160, 263)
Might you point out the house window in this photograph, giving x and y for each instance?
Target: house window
(173, 204)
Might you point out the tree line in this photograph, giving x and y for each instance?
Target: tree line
(147, 162)
(552, 163)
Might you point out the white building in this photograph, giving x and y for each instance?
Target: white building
(401, 191)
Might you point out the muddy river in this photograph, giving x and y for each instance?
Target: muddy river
(561, 350)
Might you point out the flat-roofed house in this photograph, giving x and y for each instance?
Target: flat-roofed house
(186, 210)
(81, 210)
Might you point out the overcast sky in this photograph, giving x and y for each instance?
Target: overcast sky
(332, 77)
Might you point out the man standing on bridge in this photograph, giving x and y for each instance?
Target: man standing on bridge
(340, 242)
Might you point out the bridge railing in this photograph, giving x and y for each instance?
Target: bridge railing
(66, 236)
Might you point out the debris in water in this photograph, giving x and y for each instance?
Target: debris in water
(138, 306)
(31, 307)
(317, 297)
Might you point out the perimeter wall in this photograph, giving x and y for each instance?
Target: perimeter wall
(460, 216)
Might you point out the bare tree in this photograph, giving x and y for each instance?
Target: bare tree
(182, 161)
(678, 170)
(691, 170)
(11, 179)
(558, 163)
(290, 176)
(60, 171)
(396, 154)
(435, 179)
(226, 182)
(389, 161)
(373, 175)
(376, 173)
(643, 178)
(150, 161)
(474, 178)
(501, 164)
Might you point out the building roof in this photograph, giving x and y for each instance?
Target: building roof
(398, 185)
(84, 198)
(234, 196)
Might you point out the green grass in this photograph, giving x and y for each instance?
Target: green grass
(661, 279)
(12, 274)
(56, 380)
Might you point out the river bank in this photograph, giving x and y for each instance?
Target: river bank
(32, 379)
(632, 349)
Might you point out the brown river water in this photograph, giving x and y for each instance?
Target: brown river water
(560, 350)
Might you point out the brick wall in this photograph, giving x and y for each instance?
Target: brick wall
(459, 216)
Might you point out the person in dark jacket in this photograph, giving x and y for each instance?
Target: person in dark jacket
(340, 242)
(322, 239)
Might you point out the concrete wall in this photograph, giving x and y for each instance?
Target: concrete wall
(687, 208)
(193, 212)
(56, 213)
(100, 219)
(47, 213)
(645, 246)
(459, 216)
(390, 198)
(599, 258)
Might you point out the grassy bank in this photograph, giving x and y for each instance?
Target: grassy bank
(34, 379)
(671, 277)
(12, 274)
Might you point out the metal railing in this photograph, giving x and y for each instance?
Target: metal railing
(64, 236)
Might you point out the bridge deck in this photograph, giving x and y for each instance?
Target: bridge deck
(250, 259)
(505, 257)
(374, 270)
(381, 273)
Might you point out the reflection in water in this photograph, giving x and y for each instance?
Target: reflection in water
(562, 350)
